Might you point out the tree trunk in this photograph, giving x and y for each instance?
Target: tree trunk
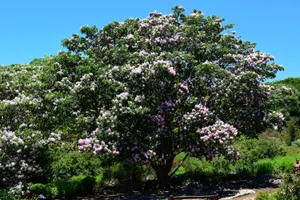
(162, 172)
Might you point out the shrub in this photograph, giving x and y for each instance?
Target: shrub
(76, 185)
(291, 150)
(191, 164)
(243, 169)
(222, 166)
(4, 194)
(296, 143)
(67, 165)
(42, 189)
(252, 150)
(126, 175)
(20, 156)
(290, 188)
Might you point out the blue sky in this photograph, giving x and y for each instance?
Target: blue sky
(34, 28)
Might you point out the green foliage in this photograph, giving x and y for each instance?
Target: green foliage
(47, 190)
(252, 150)
(173, 70)
(221, 166)
(265, 166)
(278, 164)
(124, 172)
(180, 171)
(285, 99)
(76, 185)
(194, 169)
(265, 196)
(296, 143)
(291, 82)
(291, 150)
(74, 163)
(292, 130)
(290, 188)
(5, 195)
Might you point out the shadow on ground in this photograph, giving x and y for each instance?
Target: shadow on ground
(224, 189)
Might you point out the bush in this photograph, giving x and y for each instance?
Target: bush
(76, 185)
(41, 189)
(74, 163)
(296, 143)
(127, 175)
(192, 164)
(242, 169)
(4, 194)
(290, 188)
(21, 154)
(291, 150)
(252, 150)
(221, 166)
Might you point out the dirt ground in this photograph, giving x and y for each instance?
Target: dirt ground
(264, 183)
(252, 196)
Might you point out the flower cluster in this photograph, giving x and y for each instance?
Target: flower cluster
(276, 119)
(97, 147)
(199, 114)
(218, 133)
(19, 154)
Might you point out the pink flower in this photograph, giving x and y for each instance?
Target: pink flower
(81, 147)
(184, 86)
(207, 62)
(137, 70)
(81, 141)
(194, 14)
(137, 99)
(123, 95)
(172, 71)
(115, 68)
(130, 36)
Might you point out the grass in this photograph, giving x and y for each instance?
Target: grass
(280, 163)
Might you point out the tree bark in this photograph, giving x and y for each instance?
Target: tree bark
(162, 170)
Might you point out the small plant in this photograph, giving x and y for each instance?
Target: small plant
(264, 166)
(4, 194)
(39, 189)
(265, 196)
(290, 188)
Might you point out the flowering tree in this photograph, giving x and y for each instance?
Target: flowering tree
(24, 137)
(183, 83)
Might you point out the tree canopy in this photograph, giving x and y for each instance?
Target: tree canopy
(182, 83)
